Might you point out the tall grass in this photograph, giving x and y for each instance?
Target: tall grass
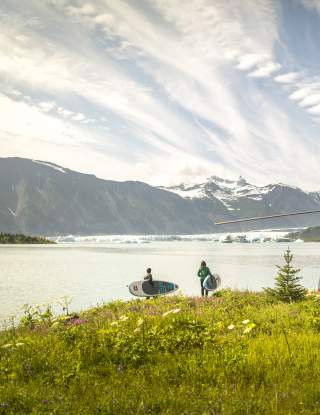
(236, 353)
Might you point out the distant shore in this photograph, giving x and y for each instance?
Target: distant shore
(311, 234)
(19, 239)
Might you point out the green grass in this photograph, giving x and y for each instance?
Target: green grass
(133, 358)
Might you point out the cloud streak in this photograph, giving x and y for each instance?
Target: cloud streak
(159, 91)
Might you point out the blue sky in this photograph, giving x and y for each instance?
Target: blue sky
(164, 91)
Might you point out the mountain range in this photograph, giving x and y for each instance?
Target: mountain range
(39, 197)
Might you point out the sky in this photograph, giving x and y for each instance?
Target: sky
(164, 91)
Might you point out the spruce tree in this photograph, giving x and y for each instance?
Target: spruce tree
(287, 285)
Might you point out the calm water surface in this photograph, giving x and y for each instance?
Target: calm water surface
(98, 273)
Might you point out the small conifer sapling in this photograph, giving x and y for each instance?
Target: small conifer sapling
(287, 286)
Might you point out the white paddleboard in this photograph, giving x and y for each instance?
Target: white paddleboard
(151, 289)
(212, 284)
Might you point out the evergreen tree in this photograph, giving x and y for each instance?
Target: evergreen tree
(287, 285)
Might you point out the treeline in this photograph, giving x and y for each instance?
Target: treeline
(9, 238)
(308, 235)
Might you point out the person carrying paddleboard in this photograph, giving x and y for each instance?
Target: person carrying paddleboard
(148, 277)
(203, 272)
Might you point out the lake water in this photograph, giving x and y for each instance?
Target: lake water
(96, 273)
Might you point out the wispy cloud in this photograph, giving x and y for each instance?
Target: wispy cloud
(159, 91)
(312, 99)
(287, 78)
(314, 110)
(266, 70)
(312, 4)
(250, 61)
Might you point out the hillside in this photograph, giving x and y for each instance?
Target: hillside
(308, 235)
(235, 353)
(42, 198)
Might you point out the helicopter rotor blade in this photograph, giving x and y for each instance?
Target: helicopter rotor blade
(267, 217)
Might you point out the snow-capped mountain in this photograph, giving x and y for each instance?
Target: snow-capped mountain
(39, 197)
(227, 191)
(243, 199)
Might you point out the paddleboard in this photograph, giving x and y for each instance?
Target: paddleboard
(212, 283)
(150, 289)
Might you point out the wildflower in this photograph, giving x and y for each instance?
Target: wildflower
(76, 321)
(19, 344)
(114, 323)
(249, 328)
(174, 311)
(245, 321)
(7, 346)
(231, 326)
(123, 318)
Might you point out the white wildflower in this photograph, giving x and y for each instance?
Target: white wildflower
(231, 326)
(173, 311)
(245, 321)
(7, 346)
(123, 318)
(249, 328)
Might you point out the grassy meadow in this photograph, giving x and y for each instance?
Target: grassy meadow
(233, 353)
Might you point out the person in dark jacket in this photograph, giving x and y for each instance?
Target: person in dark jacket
(203, 272)
(148, 277)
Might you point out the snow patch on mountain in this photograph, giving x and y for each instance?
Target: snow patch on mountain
(227, 191)
(315, 196)
(12, 212)
(192, 192)
(52, 165)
